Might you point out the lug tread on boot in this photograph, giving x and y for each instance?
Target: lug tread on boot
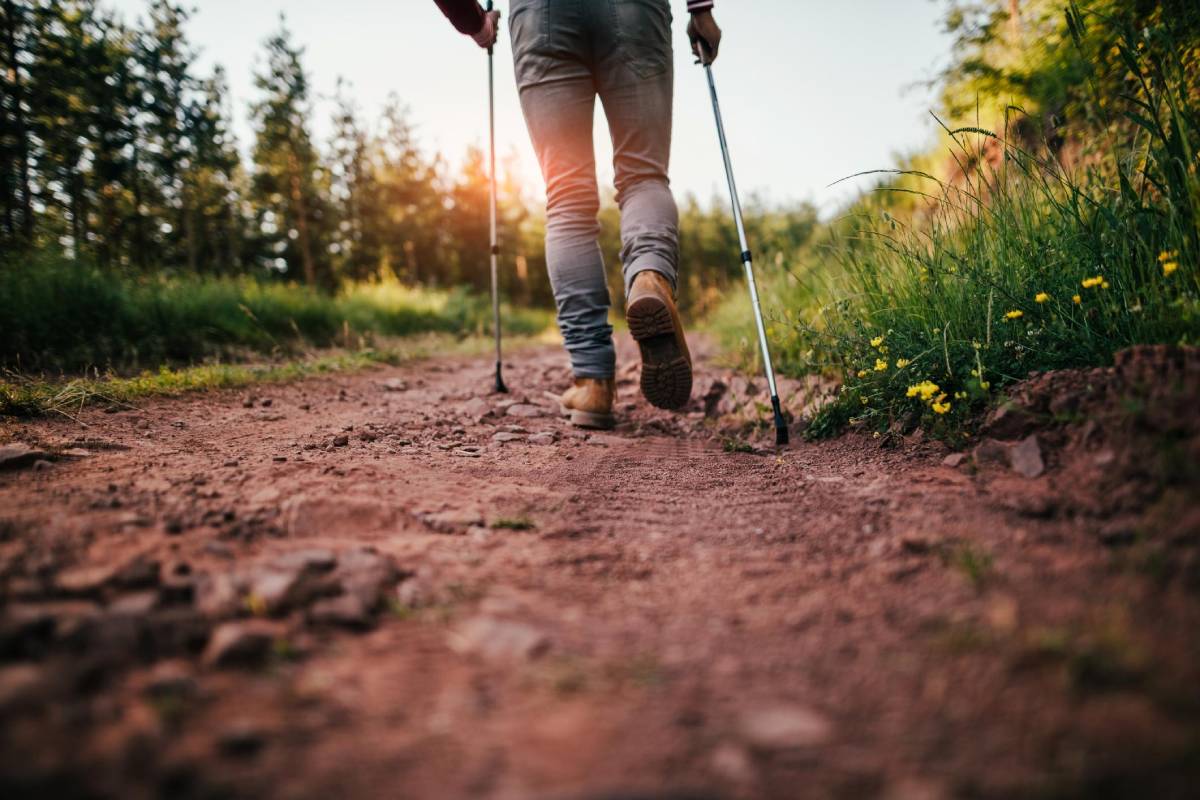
(666, 370)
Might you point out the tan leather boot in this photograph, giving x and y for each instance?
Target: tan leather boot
(589, 403)
(654, 322)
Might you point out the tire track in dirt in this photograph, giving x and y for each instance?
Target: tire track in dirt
(833, 620)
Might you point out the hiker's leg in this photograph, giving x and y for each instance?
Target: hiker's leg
(635, 74)
(558, 97)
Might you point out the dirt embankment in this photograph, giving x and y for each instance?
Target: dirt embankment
(394, 584)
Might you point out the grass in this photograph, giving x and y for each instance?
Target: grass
(1022, 265)
(23, 396)
(66, 317)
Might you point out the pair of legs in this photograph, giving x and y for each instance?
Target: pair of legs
(566, 54)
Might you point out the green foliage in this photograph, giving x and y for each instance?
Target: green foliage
(1019, 259)
(61, 316)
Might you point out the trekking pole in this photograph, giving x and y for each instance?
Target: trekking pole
(781, 430)
(495, 248)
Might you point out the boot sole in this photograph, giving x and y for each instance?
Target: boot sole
(589, 419)
(666, 371)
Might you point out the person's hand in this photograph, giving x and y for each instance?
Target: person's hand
(705, 36)
(486, 37)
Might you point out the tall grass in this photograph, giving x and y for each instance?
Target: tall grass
(58, 315)
(1022, 265)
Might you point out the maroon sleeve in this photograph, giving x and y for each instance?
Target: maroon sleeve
(465, 15)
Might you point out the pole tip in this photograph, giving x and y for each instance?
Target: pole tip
(781, 428)
(500, 388)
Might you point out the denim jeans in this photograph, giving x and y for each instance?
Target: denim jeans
(566, 53)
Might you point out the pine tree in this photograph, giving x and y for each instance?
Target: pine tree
(287, 175)
(15, 187)
(354, 188)
(410, 213)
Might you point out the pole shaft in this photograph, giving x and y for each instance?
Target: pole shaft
(494, 247)
(747, 261)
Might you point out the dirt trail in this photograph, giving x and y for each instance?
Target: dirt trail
(353, 587)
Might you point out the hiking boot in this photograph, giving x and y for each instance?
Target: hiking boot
(654, 322)
(588, 404)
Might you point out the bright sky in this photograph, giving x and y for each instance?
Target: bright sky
(812, 90)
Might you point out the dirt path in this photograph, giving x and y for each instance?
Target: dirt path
(353, 588)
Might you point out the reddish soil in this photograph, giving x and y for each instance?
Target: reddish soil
(358, 591)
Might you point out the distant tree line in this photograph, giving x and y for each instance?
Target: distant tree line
(117, 152)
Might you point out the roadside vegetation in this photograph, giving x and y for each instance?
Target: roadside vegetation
(1051, 237)
(63, 317)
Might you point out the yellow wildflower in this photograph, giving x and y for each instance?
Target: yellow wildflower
(1167, 255)
(1041, 297)
(1104, 285)
(1169, 266)
(1092, 283)
(862, 373)
(878, 340)
(880, 365)
(1014, 314)
(941, 405)
(925, 390)
(985, 385)
(1076, 299)
(901, 363)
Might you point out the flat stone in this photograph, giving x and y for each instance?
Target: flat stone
(365, 575)
(394, 385)
(316, 558)
(954, 460)
(499, 640)
(322, 515)
(343, 611)
(280, 588)
(544, 438)
(242, 644)
(476, 408)
(505, 436)
(218, 595)
(990, 452)
(784, 727)
(137, 604)
(526, 410)
(86, 581)
(1025, 457)
(19, 456)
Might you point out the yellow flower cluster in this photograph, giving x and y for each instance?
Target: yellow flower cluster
(1041, 297)
(1076, 299)
(1092, 283)
(929, 392)
(1168, 261)
(878, 340)
(901, 363)
(880, 365)
(925, 390)
(1014, 314)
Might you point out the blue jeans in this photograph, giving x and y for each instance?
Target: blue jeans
(566, 53)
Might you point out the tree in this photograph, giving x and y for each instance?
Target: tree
(286, 184)
(15, 191)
